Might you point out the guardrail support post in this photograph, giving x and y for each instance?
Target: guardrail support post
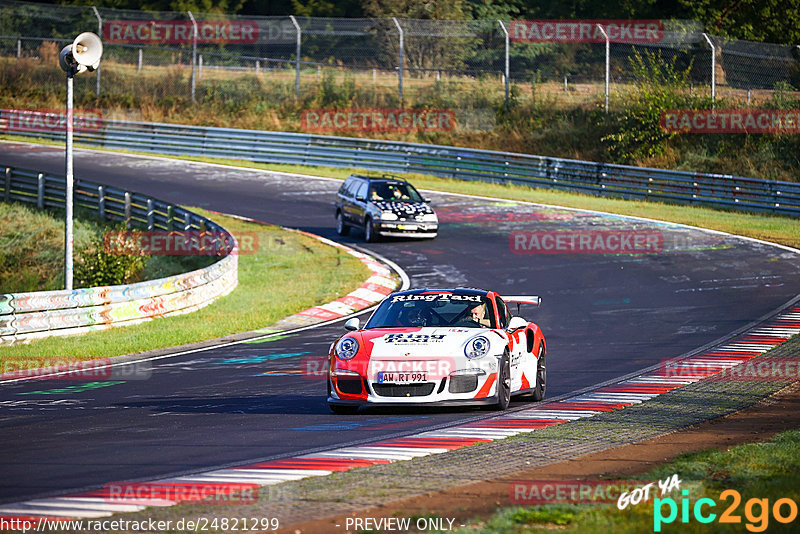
(170, 218)
(297, 56)
(608, 61)
(400, 64)
(508, 62)
(128, 210)
(150, 214)
(101, 202)
(40, 191)
(7, 189)
(713, 71)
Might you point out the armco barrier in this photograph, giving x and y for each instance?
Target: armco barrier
(25, 316)
(620, 181)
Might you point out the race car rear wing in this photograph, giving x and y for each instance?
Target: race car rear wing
(523, 299)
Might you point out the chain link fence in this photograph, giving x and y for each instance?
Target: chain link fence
(380, 63)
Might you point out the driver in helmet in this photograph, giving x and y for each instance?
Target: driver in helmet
(411, 316)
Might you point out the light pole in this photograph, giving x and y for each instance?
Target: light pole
(82, 55)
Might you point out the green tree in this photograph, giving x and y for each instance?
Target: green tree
(774, 21)
(427, 45)
(198, 6)
(326, 8)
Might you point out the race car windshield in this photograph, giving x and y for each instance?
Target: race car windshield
(439, 309)
(393, 192)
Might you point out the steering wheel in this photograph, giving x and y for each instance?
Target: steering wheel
(436, 318)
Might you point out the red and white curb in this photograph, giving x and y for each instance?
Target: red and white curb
(381, 282)
(371, 292)
(709, 363)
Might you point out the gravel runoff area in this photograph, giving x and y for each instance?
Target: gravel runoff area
(300, 505)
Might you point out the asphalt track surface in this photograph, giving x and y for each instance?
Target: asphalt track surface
(603, 316)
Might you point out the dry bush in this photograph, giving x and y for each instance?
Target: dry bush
(48, 52)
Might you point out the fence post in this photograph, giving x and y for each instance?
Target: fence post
(713, 71)
(608, 61)
(40, 191)
(297, 56)
(150, 223)
(508, 62)
(194, 51)
(19, 48)
(139, 66)
(101, 202)
(128, 210)
(199, 66)
(100, 33)
(400, 66)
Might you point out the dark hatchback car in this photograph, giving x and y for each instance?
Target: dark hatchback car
(383, 206)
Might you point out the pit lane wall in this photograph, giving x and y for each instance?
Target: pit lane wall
(25, 316)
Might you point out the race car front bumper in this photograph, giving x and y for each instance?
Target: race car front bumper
(462, 390)
(406, 229)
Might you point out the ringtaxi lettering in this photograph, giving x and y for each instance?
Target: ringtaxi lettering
(432, 298)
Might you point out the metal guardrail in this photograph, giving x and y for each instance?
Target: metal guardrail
(44, 313)
(602, 179)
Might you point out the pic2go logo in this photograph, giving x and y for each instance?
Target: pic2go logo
(756, 511)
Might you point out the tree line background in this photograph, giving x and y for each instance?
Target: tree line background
(774, 21)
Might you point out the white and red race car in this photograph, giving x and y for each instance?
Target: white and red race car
(438, 347)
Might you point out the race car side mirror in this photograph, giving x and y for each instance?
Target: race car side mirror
(516, 323)
(354, 323)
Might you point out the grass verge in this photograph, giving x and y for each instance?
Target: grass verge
(32, 252)
(761, 474)
(273, 283)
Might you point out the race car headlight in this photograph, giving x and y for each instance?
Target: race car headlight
(477, 347)
(346, 348)
(388, 216)
(430, 217)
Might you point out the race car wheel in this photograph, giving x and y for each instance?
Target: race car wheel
(541, 376)
(343, 409)
(341, 227)
(369, 232)
(503, 384)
